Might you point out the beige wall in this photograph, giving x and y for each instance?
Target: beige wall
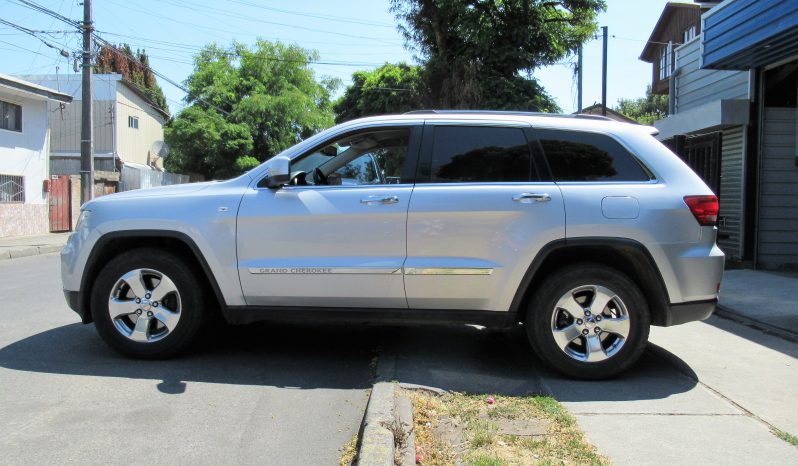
(134, 145)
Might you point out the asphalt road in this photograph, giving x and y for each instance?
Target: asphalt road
(255, 394)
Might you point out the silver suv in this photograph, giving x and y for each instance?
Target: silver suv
(584, 230)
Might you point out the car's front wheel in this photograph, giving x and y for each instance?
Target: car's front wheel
(148, 303)
(588, 321)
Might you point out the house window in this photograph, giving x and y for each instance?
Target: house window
(10, 116)
(12, 188)
(689, 34)
(133, 122)
(665, 60)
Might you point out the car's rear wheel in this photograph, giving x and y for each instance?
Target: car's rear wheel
(588, 321)
(148, 303)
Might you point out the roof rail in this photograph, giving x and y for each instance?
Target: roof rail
(585, 116)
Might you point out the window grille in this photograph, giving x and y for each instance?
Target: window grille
(12, 188)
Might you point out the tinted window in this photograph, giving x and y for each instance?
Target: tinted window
(578, 156)
(479, 154)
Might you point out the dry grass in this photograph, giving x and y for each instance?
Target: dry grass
(483, 445)
(349, 451)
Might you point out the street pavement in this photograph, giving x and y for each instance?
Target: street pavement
(703, 393)
(256, 394)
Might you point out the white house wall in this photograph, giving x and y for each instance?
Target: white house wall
(134, 145)
(25, 154)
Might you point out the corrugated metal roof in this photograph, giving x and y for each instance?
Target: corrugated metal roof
(31, 88)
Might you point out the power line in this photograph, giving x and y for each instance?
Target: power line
(113, 48)
(339, 19)
(247, 18)
(35, 6)
(33, 33)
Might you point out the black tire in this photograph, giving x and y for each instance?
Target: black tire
(191, 297)
(544, 317)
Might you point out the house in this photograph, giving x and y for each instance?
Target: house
(678, 24)
(24, 149)
(733, 116)
(127, 127)
(595, 109)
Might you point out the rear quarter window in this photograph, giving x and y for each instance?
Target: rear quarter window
(583, 156)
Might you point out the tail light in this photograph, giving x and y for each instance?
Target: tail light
(704, 209)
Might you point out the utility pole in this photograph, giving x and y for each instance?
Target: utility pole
(604, 73)
(86, 143)
(579, 80)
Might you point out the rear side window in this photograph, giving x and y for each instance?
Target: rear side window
(580, 156)
(462, 154)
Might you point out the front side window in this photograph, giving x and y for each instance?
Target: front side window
(463, 154)
(133, 122)
(582, 156)
(369, 158)
(10, 116)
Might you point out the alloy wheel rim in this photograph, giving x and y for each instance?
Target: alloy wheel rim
(590, 323)
(144, 305)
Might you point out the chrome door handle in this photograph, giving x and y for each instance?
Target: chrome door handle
(527, 198)
(380, 200)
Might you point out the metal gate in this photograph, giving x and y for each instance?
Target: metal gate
(702, 153)
(60, 202)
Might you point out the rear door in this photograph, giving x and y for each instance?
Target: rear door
(479, 214)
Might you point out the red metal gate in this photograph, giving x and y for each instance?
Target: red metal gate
(60, 202)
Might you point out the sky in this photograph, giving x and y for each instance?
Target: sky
(349, 35)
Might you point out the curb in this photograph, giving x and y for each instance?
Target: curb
(387, 427)
(730, 314)
(15, 253)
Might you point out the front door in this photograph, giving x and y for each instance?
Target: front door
(336, 236)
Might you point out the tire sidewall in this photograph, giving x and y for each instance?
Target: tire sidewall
(191, 298)
(541, 310)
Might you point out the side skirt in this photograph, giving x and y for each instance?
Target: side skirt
(248, 314)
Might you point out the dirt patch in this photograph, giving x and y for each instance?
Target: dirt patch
(458, 429)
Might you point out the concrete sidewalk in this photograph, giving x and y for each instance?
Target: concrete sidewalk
(22, 246)
(768, 300)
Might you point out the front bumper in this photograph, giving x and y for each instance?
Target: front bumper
(73, 300)
(689, 312)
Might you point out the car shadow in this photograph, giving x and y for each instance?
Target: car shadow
(475, 360)
(456, 358)
(775, 338)
(281, 356)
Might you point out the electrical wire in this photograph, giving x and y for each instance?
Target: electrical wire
(36, 7)
(33, 33)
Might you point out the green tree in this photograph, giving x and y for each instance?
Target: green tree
(388, 89)
(246, 105)
(134, 67)
(645, 110)
(482, 53)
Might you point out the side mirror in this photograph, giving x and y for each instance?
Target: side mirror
(277, 175)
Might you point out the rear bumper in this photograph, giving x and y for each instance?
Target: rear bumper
(689, 312)
(73, 300)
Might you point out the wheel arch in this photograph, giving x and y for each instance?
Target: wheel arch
(626, 255)
(111, 244)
